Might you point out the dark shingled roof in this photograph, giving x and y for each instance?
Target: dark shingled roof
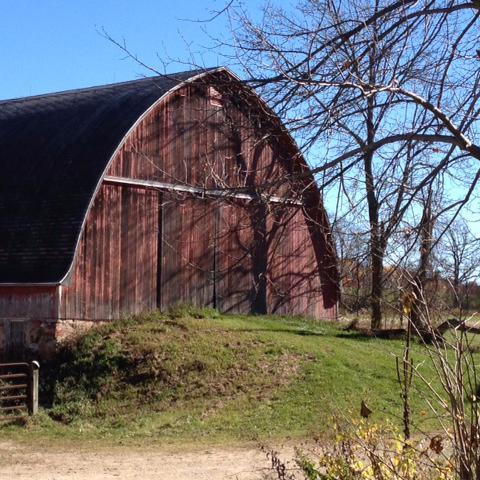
(53, 151)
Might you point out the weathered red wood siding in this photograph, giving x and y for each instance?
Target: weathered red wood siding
(235, 288)
(266, 260)
(142, 248)
(187, 266)
(29, 303)
(187, 140)
(32, 309)
(115, 271)
(294, 279)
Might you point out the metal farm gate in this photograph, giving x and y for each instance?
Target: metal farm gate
(18, 390)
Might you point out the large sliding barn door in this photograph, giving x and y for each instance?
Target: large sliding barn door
(213, 253)
(242, 257)
(237, 256)
(233, 260)
(265, 262)
(139, 228)
(293, 271)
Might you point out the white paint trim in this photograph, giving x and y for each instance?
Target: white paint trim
(206, 192)
(29, 285)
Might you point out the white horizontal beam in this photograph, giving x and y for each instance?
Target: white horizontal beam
(206, 192)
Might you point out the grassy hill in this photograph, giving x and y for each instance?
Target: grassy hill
(196, 375)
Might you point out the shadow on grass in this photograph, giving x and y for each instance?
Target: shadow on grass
(302, 332)
(361, 336)
(349, 335)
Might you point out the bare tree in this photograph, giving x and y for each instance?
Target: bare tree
(419, 284)
(384, 94)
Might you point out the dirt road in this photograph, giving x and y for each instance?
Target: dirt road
(56, 463)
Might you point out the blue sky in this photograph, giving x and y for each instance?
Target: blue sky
(52, 45)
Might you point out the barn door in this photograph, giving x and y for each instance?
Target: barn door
(14, 339)
(186, 260)
(236, 256)
(265, 262)
(233, 260)
(242, 257)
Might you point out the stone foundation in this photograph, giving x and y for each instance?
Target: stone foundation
(40, 338)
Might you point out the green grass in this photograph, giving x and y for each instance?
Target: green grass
(198, 376)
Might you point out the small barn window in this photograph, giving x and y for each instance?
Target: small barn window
(215, 97)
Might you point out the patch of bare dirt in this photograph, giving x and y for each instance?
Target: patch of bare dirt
(56, 463)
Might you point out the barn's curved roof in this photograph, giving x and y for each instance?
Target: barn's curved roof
(53, 150)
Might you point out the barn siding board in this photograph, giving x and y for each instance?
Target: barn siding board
(115, 247)
(117, 272)
(190, 132)
(234, 260)
(24, 313)
(187, 253)
(279, 261)
(106, 281)
(159, 250)
(169, 256)
(127, 257)
(28, 303)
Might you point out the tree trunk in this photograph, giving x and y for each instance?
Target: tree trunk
(377, 249)
(377, 284)
(456, 291)
(420, 315)
(258, 217)
(377, 240)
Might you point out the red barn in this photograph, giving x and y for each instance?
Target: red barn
(177, 189)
